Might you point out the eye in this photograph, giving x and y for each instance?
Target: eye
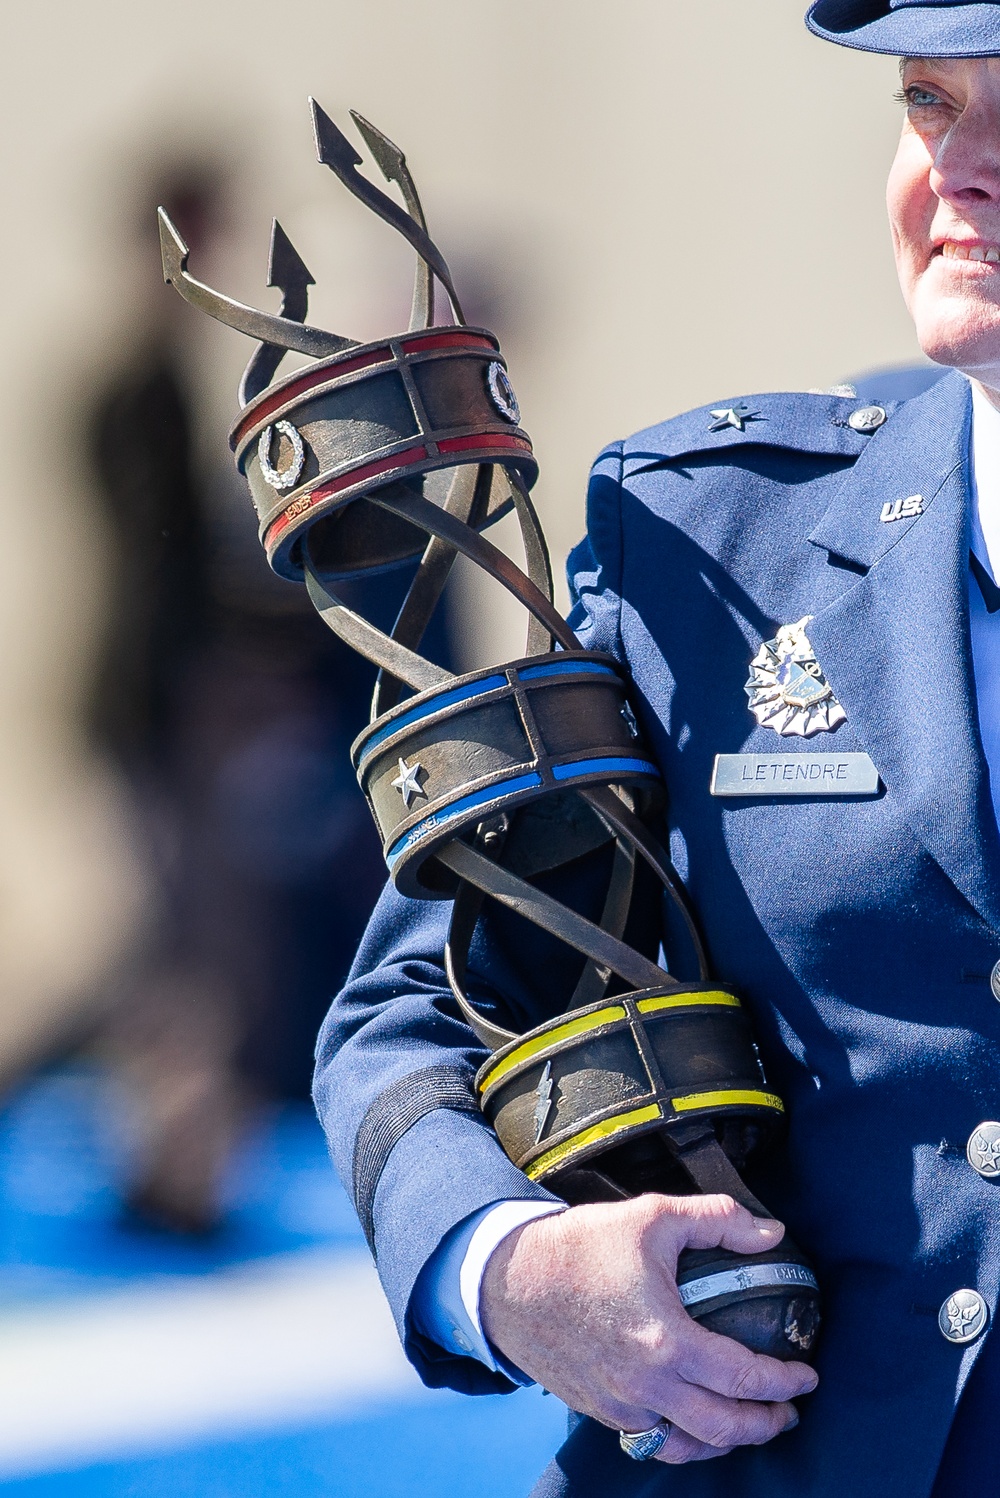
(916, 96)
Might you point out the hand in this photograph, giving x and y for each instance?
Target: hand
(586, 1303)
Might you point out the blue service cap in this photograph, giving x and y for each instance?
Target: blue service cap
(910, 28)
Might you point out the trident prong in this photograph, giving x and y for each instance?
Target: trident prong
(335, 151)
(392, 164)
(260, 325)
(287, 270)
(289, 273)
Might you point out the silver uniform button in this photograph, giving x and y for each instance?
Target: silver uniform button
(995, 980)
(964, 1316)
(867, 419)
(983, 1149)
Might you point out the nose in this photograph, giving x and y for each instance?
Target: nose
(966, 167)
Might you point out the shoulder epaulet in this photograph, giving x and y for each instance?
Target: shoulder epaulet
(838, 425)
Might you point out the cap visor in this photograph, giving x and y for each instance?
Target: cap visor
(912, 31)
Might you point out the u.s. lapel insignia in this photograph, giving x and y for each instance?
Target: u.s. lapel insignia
(787, 690)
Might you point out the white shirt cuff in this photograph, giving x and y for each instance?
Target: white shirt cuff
(494, 1226)
(446, 1307)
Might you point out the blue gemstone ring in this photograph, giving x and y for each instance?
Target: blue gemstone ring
(643, 1445)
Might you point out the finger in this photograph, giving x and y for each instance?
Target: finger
(726, 1367)
(682, 1447)
(720, 1222)
(725, 1423)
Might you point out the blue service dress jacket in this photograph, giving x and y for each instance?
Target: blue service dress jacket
(860, 931)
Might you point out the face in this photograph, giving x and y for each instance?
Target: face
(944, 208)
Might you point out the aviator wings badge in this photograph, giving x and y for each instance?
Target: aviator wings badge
(787, 690)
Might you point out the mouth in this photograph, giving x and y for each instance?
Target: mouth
(976, 250)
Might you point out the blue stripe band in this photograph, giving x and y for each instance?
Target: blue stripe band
(478, 689)
(467, 803)
(610, 766)
(445, 699)
(566, 668)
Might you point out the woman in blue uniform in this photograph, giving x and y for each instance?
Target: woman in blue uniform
(857, 543)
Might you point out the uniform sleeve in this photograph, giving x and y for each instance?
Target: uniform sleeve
(594, 567)
(445, 1305)
(396, 1063)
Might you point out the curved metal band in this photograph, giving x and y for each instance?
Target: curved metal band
(468, 499)
(464, 915)
(392, 164)
(536, 558)
(748, 1277)
(554, 917)
(468, 502)
(612, 810)
(711, 1169)
(431, 518)
(372, 643)
(592, 981)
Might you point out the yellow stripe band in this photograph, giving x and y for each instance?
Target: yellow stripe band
(550, 1038)
(603, 1130)
(594, 1021)
(685, 1001)
(728, 1100)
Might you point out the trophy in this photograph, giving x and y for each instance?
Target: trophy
(404, 452)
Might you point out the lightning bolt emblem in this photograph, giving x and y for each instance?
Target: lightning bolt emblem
(543, 1105)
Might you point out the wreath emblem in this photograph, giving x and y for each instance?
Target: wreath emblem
(787, 689)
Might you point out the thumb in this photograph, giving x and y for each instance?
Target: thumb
(720, 1222)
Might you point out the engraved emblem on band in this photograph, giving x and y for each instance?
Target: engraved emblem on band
(285, 478)
(502, 392)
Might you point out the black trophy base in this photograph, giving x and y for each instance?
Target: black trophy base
(769, 1301)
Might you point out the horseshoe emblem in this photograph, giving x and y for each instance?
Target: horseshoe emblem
(289, 477)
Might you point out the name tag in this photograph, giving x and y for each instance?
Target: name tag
(794, 775)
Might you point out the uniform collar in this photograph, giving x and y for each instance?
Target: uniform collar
(907, 459)
(984, 484)
(895, 644)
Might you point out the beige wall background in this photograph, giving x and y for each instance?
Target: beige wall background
(668, 203)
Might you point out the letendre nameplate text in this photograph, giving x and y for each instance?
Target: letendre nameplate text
(794, 775)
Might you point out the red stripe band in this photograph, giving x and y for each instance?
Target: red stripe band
(345, 481)
(501, 440)
(460, 337)
(297, 388)
(334, 369)
(488, 440)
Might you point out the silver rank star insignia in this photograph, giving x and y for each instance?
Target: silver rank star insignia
(407, 782)
(733, 416)
(787, 690)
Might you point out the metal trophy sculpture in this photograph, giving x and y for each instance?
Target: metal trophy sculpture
(405, 450)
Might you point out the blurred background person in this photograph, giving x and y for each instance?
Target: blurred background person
(229, 712)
